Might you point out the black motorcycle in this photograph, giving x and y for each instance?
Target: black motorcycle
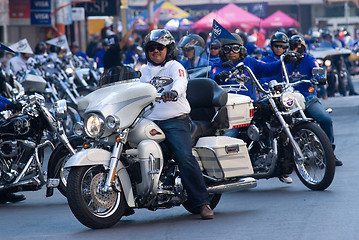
(24, 137)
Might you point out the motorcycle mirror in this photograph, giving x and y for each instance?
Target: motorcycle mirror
(60, 108)
(317, 71)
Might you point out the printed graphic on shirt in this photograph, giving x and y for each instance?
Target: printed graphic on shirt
(181, 72)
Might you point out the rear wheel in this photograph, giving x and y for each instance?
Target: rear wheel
(316, 170)
(91, 205)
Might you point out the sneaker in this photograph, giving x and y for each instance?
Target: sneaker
(285, 179)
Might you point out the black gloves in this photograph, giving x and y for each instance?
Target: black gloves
(222, 76)
(169, 96)
(292, 57)
(287, 58)
(16, 106)
(320, 81)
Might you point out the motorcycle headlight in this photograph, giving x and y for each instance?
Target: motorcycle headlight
(288, 99)
(327, 63)
(320, 62)
(112, 122)
(78, 129)
(94, 126)
(69, 71)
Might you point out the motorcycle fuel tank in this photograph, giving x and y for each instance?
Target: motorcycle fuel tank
(124, 100)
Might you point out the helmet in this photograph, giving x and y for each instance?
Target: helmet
(195, 42)
(326, 33)
(239, 41)
(164, 37)
(295, 40)
(216, 43)
(292, 31)
(191, 40)
(280, 37)
(244, 37)
(227, 41)
(55, 49)
(40, 48)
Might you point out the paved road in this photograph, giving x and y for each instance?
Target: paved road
(273, 210)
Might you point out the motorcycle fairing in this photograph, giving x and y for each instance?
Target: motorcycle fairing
(125, 100)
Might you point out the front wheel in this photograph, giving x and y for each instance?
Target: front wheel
(91, 205)
(316, 170)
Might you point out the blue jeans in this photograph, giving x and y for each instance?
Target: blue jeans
(178, 139)
(315, 110)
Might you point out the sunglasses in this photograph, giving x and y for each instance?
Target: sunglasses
(233, 48)
(215, 48)
(188, 49)
(154, 47)
(278, 46)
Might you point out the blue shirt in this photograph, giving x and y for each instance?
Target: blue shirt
(3, 102)
(327, 44)
(201, 62)
(99, 57)
(82, 54)
(259, 68)
(305, 68)
(271, 58)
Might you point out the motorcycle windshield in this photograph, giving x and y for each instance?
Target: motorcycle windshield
(118, 74)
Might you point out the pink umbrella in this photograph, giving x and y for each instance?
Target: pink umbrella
(279, 19)
(238, 17)
(207, 21)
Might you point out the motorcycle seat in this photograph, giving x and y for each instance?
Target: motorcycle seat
(207, 101)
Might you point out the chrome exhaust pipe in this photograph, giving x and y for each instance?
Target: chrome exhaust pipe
(241, 184)
(24, 184)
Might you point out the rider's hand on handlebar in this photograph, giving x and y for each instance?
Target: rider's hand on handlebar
(16, 106)
(288, 58)
(222, 76)
(320, 81)
(169, 96)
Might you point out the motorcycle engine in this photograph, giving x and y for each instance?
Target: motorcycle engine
(14, 155)
(8, 149)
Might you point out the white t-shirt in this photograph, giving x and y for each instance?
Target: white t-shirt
(169, 109)
(17, 64)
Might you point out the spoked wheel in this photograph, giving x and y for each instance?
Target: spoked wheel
(316, 170)
(91, 205)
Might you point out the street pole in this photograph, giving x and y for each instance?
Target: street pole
(150, 15)
(123, 8)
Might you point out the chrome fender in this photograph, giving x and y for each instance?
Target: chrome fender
(96, 156)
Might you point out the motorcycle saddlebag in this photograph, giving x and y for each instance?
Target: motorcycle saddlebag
(240, 110)
(223, 157)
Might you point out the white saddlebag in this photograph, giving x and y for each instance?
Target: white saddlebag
(240, 110)
(223, 157)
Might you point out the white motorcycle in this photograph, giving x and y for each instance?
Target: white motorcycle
(125, 165)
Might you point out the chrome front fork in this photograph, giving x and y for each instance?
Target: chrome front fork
(115, 157)
(287, 130)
